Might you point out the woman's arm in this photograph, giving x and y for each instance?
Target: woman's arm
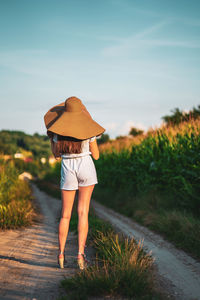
(94, 149)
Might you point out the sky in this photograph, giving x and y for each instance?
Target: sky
(131, 62)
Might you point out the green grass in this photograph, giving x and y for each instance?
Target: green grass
(121, 267)
(49, 188)
(180, 227)
(16, 207)
(157, 183)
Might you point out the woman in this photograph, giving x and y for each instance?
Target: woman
(73, 133)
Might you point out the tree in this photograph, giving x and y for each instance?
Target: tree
(179, 116)
(103, 139)
(21, 143)
(119, 137)
(135, 131)
(36, 134)
(175, 118)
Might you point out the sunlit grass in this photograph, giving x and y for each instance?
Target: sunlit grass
(121, 268)
(16, 208)
(155, 179)
(180, 227)
(190, 127)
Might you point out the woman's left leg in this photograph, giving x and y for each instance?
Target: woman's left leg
(67, 204)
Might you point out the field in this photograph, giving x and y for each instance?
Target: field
(155, 179)
(16, 208)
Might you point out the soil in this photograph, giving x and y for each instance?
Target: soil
(29, 268)
(176, 273)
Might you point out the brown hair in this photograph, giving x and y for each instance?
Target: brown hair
(65, 144)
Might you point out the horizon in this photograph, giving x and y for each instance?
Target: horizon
(163, 123)
(129, 63)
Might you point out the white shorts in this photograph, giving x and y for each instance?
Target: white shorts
(78, 171)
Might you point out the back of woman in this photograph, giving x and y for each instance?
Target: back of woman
(72, 133)
(77, 167)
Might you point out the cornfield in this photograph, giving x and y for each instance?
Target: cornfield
(165, 161)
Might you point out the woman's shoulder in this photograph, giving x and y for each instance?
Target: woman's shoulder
(89, 140)
(92, 139)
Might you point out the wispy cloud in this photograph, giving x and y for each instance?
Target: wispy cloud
(122, 128)
(111, 126)
(136, 36)
(133, 41)
(172, 43)
(150, 29)
(129, 6)
(173, 15)
(141, 40)
(125, 128)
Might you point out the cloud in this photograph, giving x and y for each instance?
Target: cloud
(172, 43)
(141, 40)
(132, 41)
(129, 6)
(126, 47)
(125, 128)
(122, 128)
(111, 126)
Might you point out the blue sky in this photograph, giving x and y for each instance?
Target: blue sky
(131, 62)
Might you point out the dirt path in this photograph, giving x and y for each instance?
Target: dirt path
(28, 262)
(29, 267)
(179, 273)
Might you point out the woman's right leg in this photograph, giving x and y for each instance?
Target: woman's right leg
(84, 197)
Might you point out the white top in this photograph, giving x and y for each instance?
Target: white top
(85, 150)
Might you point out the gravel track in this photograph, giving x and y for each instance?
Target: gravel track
(28, 256)
(28, 264)
(179, 274)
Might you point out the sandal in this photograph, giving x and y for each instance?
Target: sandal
(82, 261)
(61, 260)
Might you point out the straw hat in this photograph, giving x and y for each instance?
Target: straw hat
(71, 118)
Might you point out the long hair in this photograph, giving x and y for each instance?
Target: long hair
(65, 145)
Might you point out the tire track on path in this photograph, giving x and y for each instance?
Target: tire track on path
(178, 272)
(28, 257)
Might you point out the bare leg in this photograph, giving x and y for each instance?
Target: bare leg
(83, 209)
(67, 204)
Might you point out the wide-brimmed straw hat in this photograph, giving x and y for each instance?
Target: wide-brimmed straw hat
(71, 118)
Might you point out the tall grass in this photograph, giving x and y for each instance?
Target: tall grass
(15, 198)
(156, 180)
(121, 267)
(171, 131)
(162, 162)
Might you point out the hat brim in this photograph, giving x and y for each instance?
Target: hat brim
(74, 124)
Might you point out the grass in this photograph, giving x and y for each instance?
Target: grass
(180, 227)
(16, 207)
(154, 179)
(50, 188)
(190, 126)
(155, 210)
(121, 267)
